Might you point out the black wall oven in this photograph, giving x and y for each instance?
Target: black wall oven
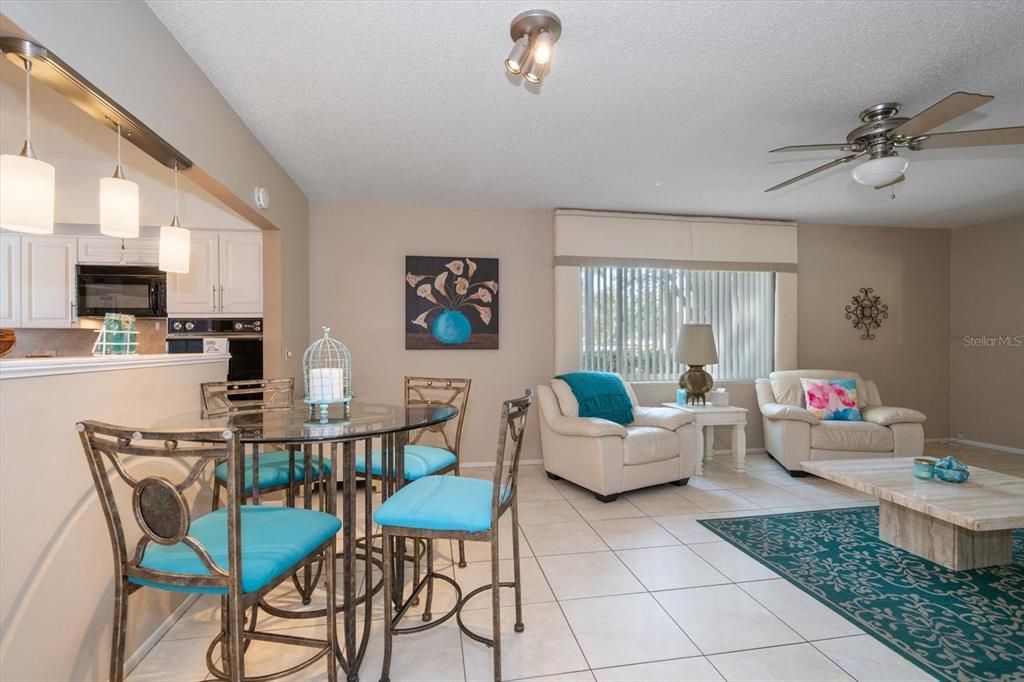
(128, 289)
(244, 335)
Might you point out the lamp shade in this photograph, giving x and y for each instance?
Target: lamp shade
(26, 194)
(696, 345)
(175, 248)
(119, 208)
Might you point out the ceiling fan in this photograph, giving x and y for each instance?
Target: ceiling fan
(882, 131)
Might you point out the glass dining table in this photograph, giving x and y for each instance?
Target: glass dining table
(315, 440)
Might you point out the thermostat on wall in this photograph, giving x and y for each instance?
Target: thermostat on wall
(262, 195)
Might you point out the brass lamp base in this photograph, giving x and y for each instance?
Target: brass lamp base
(697, 382)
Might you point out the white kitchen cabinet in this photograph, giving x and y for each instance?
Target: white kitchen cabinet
(10, 280)
(241, 273)
(107, 251)
(225, 276)
(48, 281)
(196, 291)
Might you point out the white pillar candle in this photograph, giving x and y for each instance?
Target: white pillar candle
(326, 385)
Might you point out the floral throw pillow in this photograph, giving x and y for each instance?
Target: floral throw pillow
(832, 399)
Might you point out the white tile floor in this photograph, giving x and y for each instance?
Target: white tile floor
(631, 590)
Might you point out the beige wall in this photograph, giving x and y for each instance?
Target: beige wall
(357, 266)
(987, 300)
(56, 586)
(122, 48)
(909, 269)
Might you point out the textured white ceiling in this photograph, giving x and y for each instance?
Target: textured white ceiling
(650, 106)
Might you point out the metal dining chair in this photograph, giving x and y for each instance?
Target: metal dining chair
(431, 451)
(457, 508)
(239, 552)
(277, 469)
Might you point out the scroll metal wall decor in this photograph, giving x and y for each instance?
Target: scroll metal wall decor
(867, 311)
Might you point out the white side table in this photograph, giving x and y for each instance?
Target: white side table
(708, 417)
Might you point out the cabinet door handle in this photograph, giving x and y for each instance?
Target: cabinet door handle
(72, 308)
(222, 298)
(214, 287)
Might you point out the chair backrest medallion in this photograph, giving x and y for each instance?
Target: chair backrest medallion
(158, 505)
(510, 447)
(439, 391)
(225, 397)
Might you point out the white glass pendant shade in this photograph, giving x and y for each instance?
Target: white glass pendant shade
(542, 47)
(119, 208)
(881, 171)
(26, 194)
(175, 247)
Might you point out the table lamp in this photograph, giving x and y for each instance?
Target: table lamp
(696, 348)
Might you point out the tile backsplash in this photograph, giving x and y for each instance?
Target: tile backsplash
(71, 342)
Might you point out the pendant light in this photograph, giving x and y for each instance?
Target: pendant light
(28, 187)
(119, 202)
(175, 240)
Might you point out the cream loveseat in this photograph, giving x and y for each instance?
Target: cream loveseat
(793, 435)
(660, 446)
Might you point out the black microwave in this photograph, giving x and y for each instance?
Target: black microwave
(128, 289)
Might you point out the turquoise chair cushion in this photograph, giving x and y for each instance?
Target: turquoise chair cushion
(420, 461)
(274, 469)
(273, 540)
(453, 503)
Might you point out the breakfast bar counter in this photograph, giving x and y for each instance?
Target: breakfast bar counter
(55, 595)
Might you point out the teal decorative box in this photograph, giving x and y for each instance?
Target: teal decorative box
(680, 396)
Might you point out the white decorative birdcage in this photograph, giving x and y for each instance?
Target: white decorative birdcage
(327, 373)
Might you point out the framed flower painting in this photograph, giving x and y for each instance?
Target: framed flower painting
(451, 303)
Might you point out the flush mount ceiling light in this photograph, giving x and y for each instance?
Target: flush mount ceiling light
(28, 187)
(534, 34)
(175, 240)
(880, 171)
(119, 201)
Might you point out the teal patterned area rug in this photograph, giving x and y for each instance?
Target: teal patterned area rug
(966, 625)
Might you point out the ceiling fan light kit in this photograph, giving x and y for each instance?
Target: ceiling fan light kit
(880, 171)
(881, 132)
(534, 34)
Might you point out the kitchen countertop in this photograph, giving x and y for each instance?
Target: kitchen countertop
(20, 368)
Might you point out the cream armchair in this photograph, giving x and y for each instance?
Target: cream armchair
(793, 435)
(660, 446)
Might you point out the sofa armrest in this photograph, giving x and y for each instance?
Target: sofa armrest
(778, 411)
(589, 427)
(887, 416)
(661, 417)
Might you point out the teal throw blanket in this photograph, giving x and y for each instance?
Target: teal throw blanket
(600, 394)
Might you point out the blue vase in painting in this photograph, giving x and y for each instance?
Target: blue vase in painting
(451, 328)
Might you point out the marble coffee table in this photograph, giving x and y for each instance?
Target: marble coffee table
(960, 526)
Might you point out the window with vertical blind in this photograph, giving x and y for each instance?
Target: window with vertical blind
(631, 319)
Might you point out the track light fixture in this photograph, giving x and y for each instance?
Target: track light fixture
(534, 34)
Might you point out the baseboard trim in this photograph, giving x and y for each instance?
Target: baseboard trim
(151, 641)
(749, 451)
(987, 446)
(484, 465)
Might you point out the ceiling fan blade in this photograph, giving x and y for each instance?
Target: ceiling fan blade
(957, 104)
(842, 146)
(971, 138)
(830, 164)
